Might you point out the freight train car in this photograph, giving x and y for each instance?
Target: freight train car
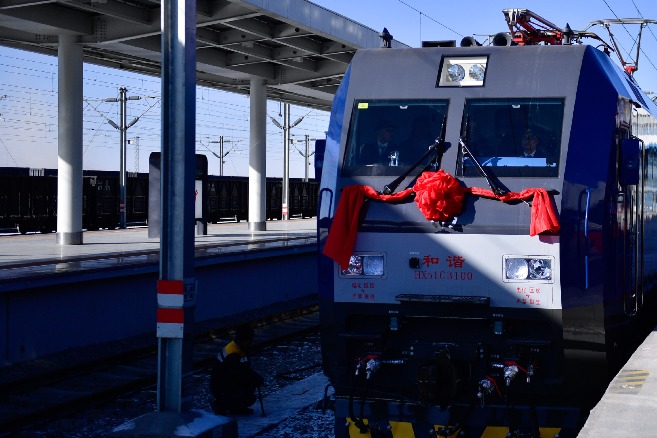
(28, 199)
(28, 202)
(227, 198)
(100, 193)
(488, 271)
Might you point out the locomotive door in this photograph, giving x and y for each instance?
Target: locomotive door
(630, 216)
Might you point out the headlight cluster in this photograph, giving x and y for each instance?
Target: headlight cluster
(528, 269)
(365, 265)
(461, 72)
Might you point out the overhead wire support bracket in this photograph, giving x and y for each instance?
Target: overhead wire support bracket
(629, 68)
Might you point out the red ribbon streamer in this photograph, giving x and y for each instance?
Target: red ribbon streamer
(439, 196)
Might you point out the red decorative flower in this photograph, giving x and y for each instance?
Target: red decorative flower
(439, 195)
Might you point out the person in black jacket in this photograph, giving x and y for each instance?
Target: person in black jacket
(380, 149)
(232, 381)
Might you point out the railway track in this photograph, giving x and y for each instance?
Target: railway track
(59, 391)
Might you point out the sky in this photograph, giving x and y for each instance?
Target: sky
(28, 85)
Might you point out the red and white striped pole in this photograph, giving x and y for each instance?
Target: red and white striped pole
(170, 311)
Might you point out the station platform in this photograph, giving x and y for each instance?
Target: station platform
(33, 254)
(55, 298)
(629, 406)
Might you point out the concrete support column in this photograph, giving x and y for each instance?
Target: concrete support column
(69, 150)
(286, 162)
(257, 156)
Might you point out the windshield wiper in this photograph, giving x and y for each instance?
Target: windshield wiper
(438, 146)
(492, 182)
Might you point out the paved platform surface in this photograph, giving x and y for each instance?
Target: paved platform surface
(283, 407)
(629, 406)
(22, 255)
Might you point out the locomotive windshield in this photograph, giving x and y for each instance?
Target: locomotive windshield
(388, 136)
(516, 137)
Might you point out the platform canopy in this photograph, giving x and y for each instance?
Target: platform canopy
(301, 49)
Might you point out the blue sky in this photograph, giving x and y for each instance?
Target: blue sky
(28, 84)
(412, 21)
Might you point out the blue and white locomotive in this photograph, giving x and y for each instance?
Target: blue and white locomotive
(487, 223)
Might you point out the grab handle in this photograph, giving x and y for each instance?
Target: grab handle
(584, 216)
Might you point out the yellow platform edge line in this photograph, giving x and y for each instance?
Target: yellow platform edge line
(402, 429)
(634, 372)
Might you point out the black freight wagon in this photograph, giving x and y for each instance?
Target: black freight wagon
(28, 199)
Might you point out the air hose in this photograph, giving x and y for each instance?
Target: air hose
(370, 363)
(532, 404)
(358, 421)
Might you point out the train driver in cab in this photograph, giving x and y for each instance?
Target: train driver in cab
(382, 147)
(531, 146)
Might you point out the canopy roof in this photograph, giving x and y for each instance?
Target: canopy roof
(300, 49)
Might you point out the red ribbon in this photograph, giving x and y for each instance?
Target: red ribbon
(544, 218)
(439, 196)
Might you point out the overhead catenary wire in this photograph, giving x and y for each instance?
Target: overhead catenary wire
(218, 113)
(39, 72)
(430, 18)
(9, 152)
(234, 120)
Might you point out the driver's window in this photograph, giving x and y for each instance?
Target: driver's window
(513, 134)
(385, 136)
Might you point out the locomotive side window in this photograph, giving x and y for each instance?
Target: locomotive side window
(387, 136)
(516, 137)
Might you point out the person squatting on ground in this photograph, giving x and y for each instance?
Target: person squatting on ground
(232, 381)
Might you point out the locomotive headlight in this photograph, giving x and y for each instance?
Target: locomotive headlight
(516, 269)
(525, 268)
(455, 73)
(477, 72)
(373, 265)
(540, 269)
(462, 71)
(355, 266)
(369, 265)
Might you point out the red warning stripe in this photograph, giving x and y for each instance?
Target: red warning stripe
(170, 315)
(170, 287)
